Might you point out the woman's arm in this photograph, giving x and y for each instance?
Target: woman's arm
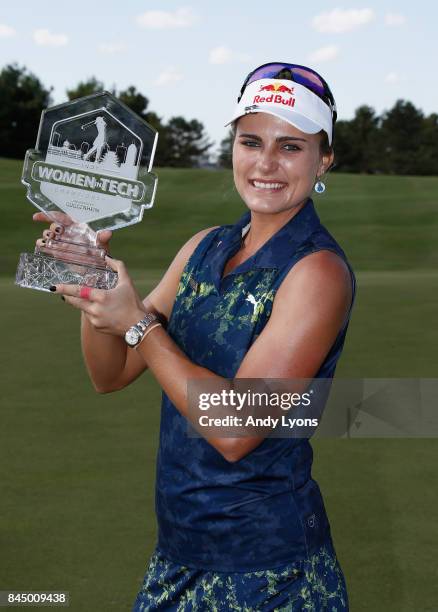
(308, 312)
(110, 363)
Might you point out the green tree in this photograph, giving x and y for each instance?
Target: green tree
(186, 143)
(341, 145)
(402, 133)
(85, 88)
(136, 101)
(357, 142)
(225, 157)
(427, 156)
(22, 99)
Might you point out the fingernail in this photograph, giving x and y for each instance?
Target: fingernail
(43, 241)
(62, 298)
(58, 229)
(52, 288)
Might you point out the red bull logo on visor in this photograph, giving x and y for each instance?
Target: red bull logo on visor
(276, 97)
(277, 87)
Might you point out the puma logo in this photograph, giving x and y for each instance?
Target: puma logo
(251, 299)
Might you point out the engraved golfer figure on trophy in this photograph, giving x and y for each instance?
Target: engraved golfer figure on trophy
(100, 140)
(90, 171)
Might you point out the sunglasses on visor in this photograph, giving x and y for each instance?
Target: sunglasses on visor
(299, 74)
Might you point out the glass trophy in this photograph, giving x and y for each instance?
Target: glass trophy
(90, 171)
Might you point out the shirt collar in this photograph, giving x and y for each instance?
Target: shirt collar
(279, 249)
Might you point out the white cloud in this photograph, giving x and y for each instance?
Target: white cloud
(164, 20)
(392, 77)
(111, 48)
(224, 55)
(169, 76)
(395, 19)
(338, 21)
(324, 54)
(220, 55)
(45, 38)
(6, 31)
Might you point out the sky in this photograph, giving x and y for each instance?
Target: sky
(190, 58)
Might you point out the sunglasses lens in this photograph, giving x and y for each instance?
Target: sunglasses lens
(294, 73)
(266, 72)
(310, 80)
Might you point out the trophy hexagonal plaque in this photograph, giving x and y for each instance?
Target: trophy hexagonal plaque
(90, 171)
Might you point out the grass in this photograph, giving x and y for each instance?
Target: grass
(77, 468)
(383, 223)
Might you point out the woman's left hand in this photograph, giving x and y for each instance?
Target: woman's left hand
(111, 311)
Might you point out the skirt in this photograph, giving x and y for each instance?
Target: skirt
(313, 584)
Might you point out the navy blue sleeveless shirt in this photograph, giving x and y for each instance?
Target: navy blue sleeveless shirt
(264, 510)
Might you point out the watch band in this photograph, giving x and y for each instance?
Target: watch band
(135, 333)
(149, 329)
(144, 323)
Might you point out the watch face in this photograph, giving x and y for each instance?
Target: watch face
(132, 336)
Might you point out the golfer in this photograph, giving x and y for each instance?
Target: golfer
(241, 522)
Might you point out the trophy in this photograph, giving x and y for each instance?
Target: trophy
(90, 171)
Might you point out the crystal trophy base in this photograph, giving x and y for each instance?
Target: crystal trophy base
(40, 271)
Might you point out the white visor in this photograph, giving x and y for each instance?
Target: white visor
(289, 101)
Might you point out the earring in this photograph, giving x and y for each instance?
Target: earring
(319, 186)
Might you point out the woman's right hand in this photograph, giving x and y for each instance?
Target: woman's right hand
(57, 228)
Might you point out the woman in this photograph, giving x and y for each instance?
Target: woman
(242, 524)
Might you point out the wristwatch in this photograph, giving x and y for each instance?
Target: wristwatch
(135, 334)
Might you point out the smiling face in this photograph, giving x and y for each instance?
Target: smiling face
(275, 165)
